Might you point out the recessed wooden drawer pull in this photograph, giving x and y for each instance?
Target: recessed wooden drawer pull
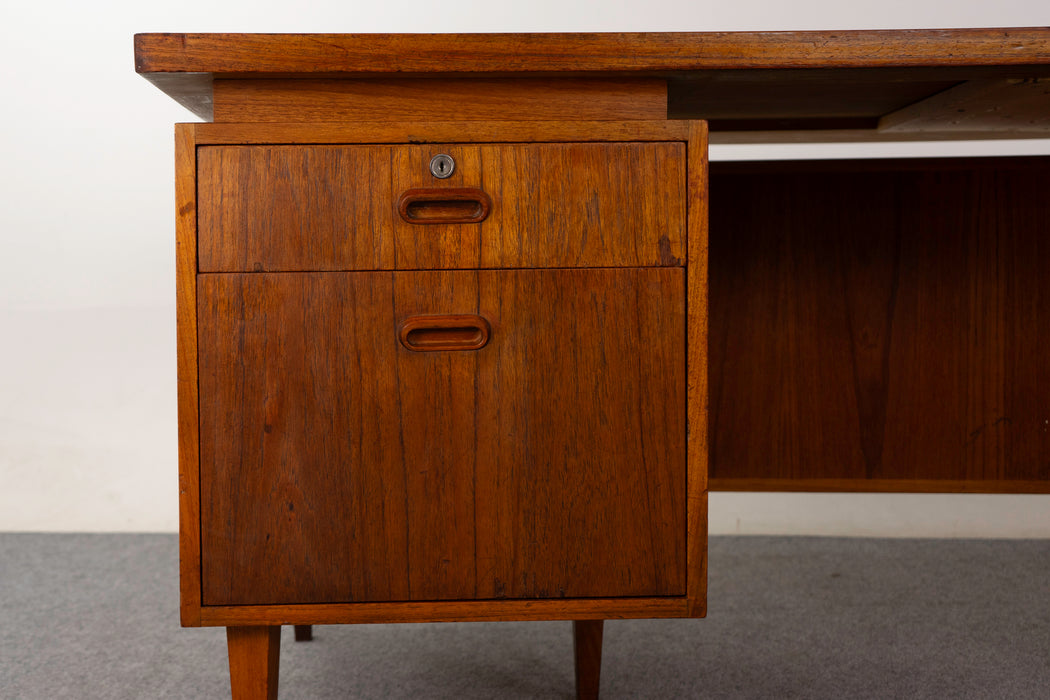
(430, 333)
(444, 205)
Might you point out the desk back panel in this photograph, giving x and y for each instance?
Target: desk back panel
(880, 325)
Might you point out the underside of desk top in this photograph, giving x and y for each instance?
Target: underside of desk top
(751, 86)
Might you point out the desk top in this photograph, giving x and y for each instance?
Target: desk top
(857, 85)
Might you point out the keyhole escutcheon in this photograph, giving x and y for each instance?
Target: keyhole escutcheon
(442, 166)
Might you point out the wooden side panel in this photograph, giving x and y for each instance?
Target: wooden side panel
(585, 205)
(436, 394)
(428, 99)
(302, 485)
(697, 369)
(186, 340)
(581, 471)
(880, 323)
(274, 208)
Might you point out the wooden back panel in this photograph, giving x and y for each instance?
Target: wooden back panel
(880, 325)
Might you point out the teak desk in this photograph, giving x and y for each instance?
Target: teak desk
(444, 342)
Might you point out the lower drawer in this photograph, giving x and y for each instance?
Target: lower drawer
(342, 460)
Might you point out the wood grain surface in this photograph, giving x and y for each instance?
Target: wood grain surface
(581, 469)
(455, 131)
(879, 322)
(432, 99)
(587, 657)
(729, 98)
(446, 611)
(255, 657)
(438, 415)
(186, 375)
(438, 246)
(303, 484)
(278, 208)
(585, 205)
(739, 80)
(697, 367)
(376, 54)
(290, 208)
(347, 476)
(275, 311)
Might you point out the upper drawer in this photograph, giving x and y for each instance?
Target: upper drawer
(273, 208)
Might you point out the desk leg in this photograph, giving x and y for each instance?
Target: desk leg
(587, 650)
(304, 633)
(255, 656)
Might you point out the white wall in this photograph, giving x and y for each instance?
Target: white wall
(87, 354)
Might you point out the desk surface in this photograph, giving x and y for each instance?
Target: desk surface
(854, 85)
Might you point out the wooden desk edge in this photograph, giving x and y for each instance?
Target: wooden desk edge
(881, 486)
(631, 52)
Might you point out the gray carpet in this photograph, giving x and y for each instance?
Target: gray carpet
(95, 616)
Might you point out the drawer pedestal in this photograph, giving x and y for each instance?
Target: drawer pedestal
(407, 397)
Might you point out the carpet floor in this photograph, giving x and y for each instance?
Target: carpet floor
(96, 616)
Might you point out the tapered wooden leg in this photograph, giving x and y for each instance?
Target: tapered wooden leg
(587, 650)
(304, 633)
(255, 656)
